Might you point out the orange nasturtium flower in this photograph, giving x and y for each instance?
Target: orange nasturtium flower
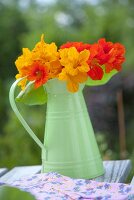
(38, 65)
(37, 73)
(75, 67)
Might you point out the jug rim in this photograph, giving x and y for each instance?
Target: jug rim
(56, 86)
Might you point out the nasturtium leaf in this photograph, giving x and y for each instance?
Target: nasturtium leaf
(11, 193)
(32, 96)
(105, 79)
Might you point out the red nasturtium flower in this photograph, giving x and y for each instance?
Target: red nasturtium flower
(37, 73)
(95, 69)
(107, 54)
(116, 58)
(80, 46)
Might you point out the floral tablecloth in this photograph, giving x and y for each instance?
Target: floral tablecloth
(53, 186)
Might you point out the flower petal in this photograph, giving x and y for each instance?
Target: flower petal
(63, 75)
(84, 67)
(72, 86)
(80, 78)
(96, 73)
(84, 56)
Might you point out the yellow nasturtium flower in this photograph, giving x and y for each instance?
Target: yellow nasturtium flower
(26, 59)
(48, 55)
(75, 67)
(42, 60)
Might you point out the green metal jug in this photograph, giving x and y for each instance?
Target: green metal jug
(69, 145)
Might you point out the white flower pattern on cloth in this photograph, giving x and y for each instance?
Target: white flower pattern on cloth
(53, 186)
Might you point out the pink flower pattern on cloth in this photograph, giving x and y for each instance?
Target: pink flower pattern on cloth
(53, 186)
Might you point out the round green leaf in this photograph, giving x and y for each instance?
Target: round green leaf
(105, 79)
(32, 96)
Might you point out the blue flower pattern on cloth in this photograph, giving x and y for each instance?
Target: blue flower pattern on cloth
(53, 186)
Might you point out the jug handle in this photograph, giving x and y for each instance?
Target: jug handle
(21, 119)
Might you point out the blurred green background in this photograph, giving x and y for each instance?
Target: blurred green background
(110, 106)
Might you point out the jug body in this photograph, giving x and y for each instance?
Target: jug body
(71, 147)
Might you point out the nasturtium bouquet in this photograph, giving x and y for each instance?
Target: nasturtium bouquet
(73, 63)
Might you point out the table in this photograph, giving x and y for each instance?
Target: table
(115, 171)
